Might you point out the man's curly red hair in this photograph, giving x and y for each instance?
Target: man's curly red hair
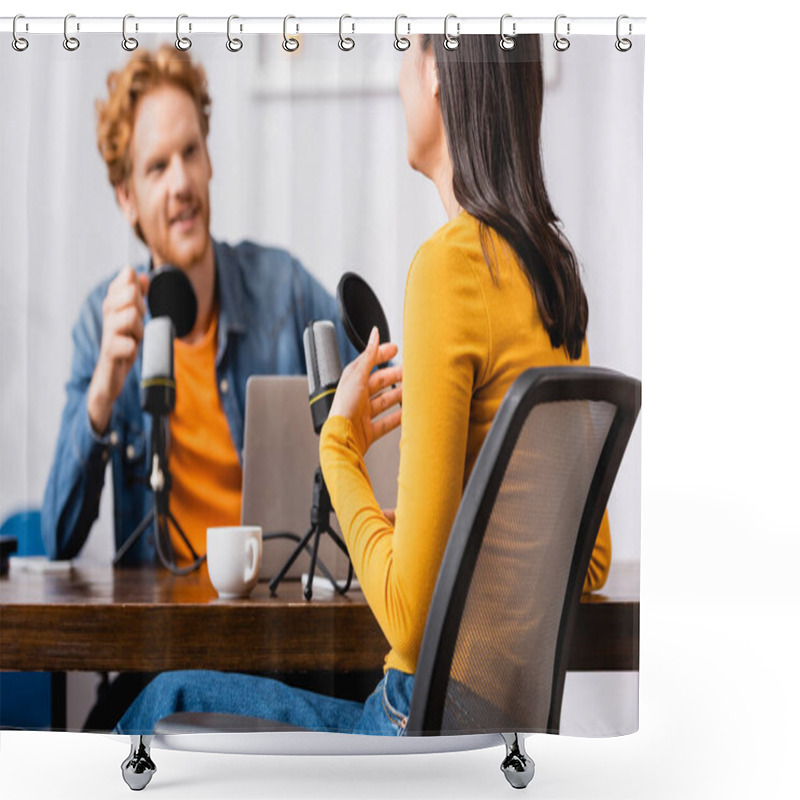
(144, 72)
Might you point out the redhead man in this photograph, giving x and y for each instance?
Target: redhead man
(253, 305)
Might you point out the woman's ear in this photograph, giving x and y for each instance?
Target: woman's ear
(435, 79)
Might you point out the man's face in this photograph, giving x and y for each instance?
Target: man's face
(167, 191)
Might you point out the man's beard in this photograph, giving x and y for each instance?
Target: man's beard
(182, 257)
(185, 259)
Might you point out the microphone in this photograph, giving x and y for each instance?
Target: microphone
(173, 311)
(324, 367)
(171, 295)
(157, 387)
(360, 311)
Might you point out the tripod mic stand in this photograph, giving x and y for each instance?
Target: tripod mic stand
(320, 523)
(161, 483)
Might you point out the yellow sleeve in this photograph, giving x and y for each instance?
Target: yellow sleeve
(601, 558)
(445, 353)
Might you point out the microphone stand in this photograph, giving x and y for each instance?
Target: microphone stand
(320, 523)
(161, 483)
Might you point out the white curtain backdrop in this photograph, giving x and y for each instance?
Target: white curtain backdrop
(308, 153)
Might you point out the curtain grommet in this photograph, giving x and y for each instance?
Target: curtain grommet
(623, 44)
(346, 43)
(560, 43)
(129, 43)
(290, 44)
(182, 43)
(233, 44)
(450, 41)
(401, 43)
(71, 43)
(19, 43)
(507, 42)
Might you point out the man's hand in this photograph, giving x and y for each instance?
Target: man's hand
(123, 328)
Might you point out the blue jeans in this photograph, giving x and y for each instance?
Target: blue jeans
(384, 713)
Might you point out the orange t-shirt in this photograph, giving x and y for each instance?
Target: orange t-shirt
(206, 473)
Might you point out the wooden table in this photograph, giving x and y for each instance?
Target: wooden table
(100, 619)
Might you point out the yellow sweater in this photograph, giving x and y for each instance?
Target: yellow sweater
(466, 339)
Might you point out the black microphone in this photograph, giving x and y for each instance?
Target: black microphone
(360, 311)
(157, 387)
(324, 367)
(173, 311)
(171, 295)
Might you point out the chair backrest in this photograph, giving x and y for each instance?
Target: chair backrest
(493, 656)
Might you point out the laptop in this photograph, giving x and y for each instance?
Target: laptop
(281, 453)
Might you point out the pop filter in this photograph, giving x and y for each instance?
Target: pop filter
(171, 295)
(360, 311)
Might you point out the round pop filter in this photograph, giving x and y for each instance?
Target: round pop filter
(171, 295)
(360, 311)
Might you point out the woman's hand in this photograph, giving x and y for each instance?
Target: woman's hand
(360, 397)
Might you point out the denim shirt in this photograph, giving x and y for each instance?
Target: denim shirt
(265, 298)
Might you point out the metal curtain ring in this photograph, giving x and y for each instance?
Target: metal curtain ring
(450, 41)
(507, 42)
(128, 42)
(233, 44)
(561, 43)
(345, 42)
(70, 42)
(182, 42)
(290, 44)
(401, 42)
(19, 43)
(623, 45)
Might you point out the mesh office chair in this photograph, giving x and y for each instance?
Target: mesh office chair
(494, 653)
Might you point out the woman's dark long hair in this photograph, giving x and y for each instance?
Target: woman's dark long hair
(491, 101)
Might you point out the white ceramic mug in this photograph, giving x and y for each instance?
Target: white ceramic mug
(234, 559)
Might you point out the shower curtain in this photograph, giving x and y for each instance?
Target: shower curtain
(310, 159)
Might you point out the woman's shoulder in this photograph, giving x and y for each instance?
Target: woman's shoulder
(446, 270)
(463, 231)
(449, 248)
